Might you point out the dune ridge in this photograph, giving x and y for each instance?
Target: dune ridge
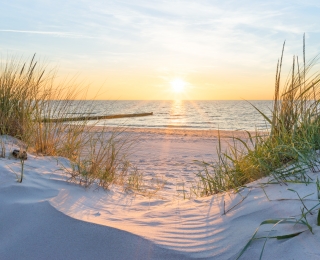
(47, 217)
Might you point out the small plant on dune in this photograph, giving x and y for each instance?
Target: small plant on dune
(301, 220)
(285, 150)
(101, 160)
(2, 147)
(104, 163)
(22, 160)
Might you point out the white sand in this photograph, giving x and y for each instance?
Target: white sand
(45, 217)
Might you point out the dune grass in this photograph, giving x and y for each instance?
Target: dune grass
(292, 139)
(285, 151)
(29, 92)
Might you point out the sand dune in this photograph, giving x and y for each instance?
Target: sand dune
(46, 217)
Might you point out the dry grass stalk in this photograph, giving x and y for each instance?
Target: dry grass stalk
(29, 92)
(293, 139)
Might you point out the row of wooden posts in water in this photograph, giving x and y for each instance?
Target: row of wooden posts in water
(84, 118)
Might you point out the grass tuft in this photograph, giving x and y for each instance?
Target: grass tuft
(286, 149)
(30, 93)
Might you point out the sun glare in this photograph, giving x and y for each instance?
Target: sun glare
(178, 85)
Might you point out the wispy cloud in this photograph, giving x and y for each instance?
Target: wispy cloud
(57, 34)
(205, 32)
(173, 35)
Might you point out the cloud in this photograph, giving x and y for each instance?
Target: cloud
(228, 31)
(57, 34)
(170, 33)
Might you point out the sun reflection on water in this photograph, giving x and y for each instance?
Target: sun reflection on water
(177, 113)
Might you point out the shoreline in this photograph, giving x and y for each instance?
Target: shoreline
(210, 133)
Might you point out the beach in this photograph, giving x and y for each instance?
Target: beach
(47, 217)
(159, 130)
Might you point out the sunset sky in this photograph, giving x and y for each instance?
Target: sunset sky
(163, 49)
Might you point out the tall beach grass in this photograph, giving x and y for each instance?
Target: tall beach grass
(292, 139)
(31, 97)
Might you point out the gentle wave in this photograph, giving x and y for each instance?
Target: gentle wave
(226, 115)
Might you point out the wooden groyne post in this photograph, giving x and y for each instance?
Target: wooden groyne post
(84, 118)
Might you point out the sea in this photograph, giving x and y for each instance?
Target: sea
(182, 114)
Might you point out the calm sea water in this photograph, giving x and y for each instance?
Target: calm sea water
(224, 115)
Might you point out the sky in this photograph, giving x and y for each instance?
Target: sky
(164, 49)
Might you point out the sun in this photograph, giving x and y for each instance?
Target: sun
(178, 85)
